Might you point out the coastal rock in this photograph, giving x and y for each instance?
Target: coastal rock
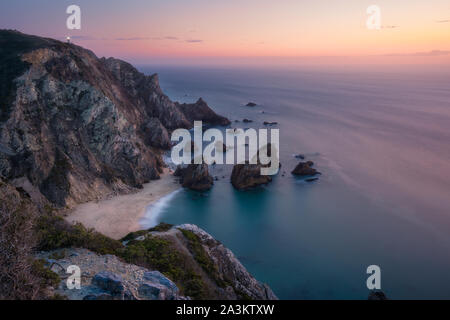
(304, 169)
(266, 123)
(78, 128)
(230, 269)
(245, 176)
(247, 121)
(251, 104)
(109, 282)
(106, 277)
(195, 177)
(200, 111)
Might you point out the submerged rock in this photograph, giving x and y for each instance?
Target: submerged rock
(251, 104)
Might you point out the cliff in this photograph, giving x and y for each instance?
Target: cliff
(74, 127)
(193, 264)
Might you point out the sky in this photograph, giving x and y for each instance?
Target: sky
(413, 31)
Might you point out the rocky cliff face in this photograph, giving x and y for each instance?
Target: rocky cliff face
(75, 128)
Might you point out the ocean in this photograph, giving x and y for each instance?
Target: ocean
(379, 135)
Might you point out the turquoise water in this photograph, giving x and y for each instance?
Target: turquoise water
(380, 138)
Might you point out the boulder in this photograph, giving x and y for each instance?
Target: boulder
(158, 277)
(251, 104)
(266, 123)
(246, 176)
(247, 120)
(109, 282)
(195, 177)
(304, 169)
(157, 287)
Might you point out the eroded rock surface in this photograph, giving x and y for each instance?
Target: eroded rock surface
(76, 127)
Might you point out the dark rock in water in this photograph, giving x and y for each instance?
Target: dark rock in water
(201, 111)
(195, 177)
(377, 295)
(266, 123)
(245, 176)
(79, 128)
(304, 169)
(247, 121)
(109, 282)
(251, 104)
(311, 179)
(300, 156)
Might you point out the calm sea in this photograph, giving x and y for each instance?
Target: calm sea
(380, 137)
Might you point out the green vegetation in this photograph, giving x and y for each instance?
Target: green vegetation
(201, 256)
(157, 253)
(55, 233)
(162, 227)
(47, 276)
(153, 252)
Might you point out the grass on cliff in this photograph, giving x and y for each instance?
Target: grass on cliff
(153, 253)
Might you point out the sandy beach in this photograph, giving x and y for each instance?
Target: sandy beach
(118, 216)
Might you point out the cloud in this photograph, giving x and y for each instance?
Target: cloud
(132, 39)
(431, 53)
(390, 27)
(170, 38)
(442, 21)
(194, 40)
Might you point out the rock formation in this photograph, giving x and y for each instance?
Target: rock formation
(246, 176)
(305, 169)
(74, 128)
(213, 268)
(195, 177)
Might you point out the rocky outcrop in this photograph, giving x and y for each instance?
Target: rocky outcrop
(251, 104)
(76, 128)
(201, 111)
(246, 176)
(229, 268)
(305, 169)
(208, 269)
(195, 177)
(105, 277)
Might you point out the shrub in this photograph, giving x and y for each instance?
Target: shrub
(55, 233)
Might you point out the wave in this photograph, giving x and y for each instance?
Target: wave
(155, 210)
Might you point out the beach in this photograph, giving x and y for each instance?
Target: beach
(120, 215)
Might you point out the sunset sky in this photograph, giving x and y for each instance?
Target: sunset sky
(184, 30)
